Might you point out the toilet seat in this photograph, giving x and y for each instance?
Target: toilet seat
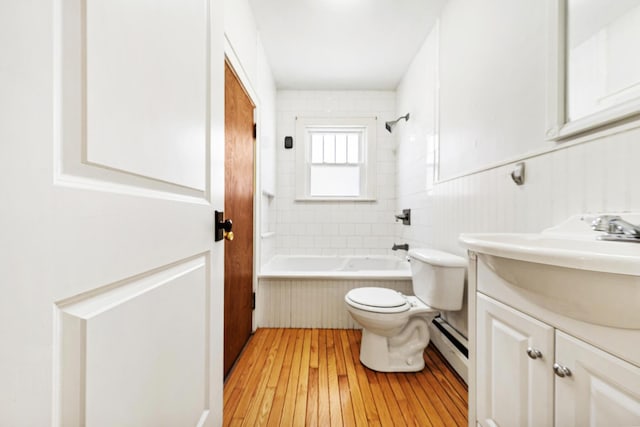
(378, 300)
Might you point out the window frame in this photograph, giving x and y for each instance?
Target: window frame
(367, 162)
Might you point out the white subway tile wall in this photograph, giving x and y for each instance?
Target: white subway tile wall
(334, 228)
(598, 174)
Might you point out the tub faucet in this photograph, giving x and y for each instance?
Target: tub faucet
(616, 229)
(404, 247)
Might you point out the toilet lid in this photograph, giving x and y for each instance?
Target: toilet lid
(379, 299)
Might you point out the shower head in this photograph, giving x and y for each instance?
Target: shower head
(389, 125)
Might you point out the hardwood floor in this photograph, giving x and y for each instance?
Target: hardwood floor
(313, 377)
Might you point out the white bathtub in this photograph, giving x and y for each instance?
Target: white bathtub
(334, 267)
(308, 291)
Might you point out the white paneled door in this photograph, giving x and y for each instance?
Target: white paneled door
(111, 165)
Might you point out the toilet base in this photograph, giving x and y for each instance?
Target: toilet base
(400, 353)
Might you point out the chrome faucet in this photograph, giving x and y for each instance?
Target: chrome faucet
(404, 246)
(616, 228)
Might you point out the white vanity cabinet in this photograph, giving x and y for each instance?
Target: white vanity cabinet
(514, 359)
(531, 366)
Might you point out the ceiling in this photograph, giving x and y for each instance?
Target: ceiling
(342, 44)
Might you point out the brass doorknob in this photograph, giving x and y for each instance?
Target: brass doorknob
(222, 227)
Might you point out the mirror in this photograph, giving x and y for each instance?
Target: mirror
(595, 65)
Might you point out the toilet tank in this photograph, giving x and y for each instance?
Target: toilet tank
(438, 278)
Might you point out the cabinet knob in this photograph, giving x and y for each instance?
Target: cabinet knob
(533, 353)
(561, 371)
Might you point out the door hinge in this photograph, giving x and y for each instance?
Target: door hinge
(253, 301)
(255, 131)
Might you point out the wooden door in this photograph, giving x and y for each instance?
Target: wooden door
(239, 189)
(513, 388)
(108, 270)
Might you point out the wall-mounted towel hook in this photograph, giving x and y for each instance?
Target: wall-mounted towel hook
(517, 174)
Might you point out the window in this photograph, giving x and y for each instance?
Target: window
(335, 159)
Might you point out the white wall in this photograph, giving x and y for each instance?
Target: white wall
(245, 51)
(241, 31)
(588, 174)
(334, 228)
(266, 150)
(492, 82)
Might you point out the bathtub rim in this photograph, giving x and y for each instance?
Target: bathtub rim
(404, 274)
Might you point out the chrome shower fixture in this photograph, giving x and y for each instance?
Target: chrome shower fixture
(390, 125)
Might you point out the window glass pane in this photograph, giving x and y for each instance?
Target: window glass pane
(316, 148)
(335, 159)
(341, 148)
(329, 148)
(353, 148)
(338, 181)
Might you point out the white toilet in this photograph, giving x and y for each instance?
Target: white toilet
(394, 326)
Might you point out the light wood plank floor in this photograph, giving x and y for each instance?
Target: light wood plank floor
(313, 377)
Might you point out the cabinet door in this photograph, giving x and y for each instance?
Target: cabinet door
(602, 390)
(514, 367)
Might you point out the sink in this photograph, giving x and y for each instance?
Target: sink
(563, 251)
(566, 270)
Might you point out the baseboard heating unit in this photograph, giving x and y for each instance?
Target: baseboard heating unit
(453, 346)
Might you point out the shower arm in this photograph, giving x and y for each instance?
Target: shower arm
(389, 125)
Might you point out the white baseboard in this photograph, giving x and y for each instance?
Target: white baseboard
(456, 359)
